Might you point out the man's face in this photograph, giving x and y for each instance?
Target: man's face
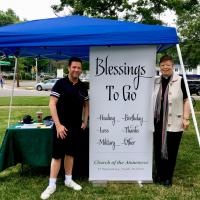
(166, 68)
(75, 69)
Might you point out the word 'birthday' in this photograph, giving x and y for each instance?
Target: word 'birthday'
(133, 117)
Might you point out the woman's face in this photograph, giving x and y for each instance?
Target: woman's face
(166, 68)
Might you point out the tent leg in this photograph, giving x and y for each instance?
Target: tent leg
(188, 92)
(36, 68)
(12, 92)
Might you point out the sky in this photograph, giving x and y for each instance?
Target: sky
(30, 9)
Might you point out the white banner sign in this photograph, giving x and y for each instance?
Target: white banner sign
(121, 118)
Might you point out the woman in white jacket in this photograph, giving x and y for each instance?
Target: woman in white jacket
(171, 117)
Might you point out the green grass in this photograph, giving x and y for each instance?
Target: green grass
(17, 114)
(25, 101)
(197, 106)
(29, 186)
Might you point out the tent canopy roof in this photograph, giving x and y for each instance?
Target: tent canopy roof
(63, 37)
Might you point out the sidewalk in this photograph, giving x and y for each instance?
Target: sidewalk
(26, 89)
(24, 84)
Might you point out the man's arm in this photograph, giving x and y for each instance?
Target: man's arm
(61, 130)
(186, 113)
(85, 114)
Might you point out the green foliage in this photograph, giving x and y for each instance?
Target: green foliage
(25, 65)
(28, 63)
(8, 17)
(25, 76)
(197, 106)
(189, 28)
(191, 53)
(98, 8)
(148, 12)
(85, 66)
(182, 6)
(144, 11)
(188, 13)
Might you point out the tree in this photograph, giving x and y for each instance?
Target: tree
(151, 11)
(27, 64)
(144, 11)
(96, 8)
(8, 17)
(188, 24)
(189, 28)
(147, 12)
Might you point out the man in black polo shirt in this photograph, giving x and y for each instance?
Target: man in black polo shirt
(68, 103)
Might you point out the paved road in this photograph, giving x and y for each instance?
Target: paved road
(25, 89)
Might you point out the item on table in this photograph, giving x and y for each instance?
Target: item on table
(39, 116)
(27, 119)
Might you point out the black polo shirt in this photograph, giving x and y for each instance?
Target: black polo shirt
(70, 101)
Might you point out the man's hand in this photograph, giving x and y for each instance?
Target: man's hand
(186, 123)
(84, 125)
(61, 131)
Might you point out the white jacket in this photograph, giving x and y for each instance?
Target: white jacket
(175, 100)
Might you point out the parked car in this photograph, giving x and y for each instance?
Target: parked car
(46, 76)
(46, 85)
(194, 86)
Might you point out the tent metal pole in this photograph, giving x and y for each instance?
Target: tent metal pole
(12, 92)
(36, 70)
(188, 92)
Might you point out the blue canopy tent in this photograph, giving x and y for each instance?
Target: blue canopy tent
(61, 38)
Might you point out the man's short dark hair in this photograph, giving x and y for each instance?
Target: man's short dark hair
(166, 58)
(74, 59)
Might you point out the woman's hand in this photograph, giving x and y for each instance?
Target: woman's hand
(186, 123)
(84, 125)
(61, 131)
(186, 113)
